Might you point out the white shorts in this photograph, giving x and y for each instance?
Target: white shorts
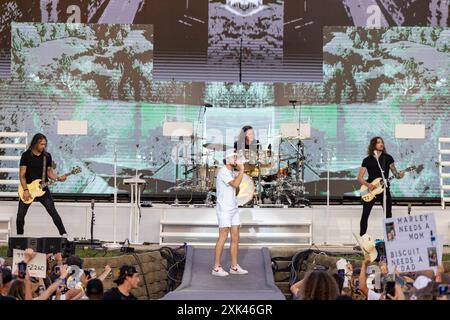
(228, 218)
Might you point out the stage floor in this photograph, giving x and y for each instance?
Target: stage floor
(334, 225)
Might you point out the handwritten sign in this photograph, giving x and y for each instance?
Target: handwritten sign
(37, 267)
(411, 243)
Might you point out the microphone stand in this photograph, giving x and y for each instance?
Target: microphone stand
(385, 185)
(114, 244)
(92, 221)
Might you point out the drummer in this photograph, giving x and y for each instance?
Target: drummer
(246, 142)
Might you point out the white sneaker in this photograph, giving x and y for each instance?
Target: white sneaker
(238, 270)
(65, 235)
(219, 272)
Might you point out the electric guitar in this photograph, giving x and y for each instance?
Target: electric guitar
(36, 187)
(368, 195)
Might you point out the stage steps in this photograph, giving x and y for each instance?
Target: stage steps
(281, 229)
(12, 144)
(444, 170)
(199, 284)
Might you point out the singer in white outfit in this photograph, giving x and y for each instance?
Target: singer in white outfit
(227, 187)
(376, 150)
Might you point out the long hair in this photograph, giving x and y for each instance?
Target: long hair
(17, 289)
(372, 145)
(241, 137)
(36, 138)
(318, 285)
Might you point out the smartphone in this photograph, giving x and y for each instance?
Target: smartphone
(356, 285)
(22, 266)
(389, 289)
(90, 273)
(57, 270)
(372, 269)
(341, 273)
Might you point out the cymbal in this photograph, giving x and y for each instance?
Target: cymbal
(216, 146)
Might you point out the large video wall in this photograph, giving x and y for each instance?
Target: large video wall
(127, 70)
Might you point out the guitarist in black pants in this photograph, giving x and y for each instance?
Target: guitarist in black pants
(376, 149)
(32, 168)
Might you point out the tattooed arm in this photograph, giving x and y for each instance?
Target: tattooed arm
(397, 174)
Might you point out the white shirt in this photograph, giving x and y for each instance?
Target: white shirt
(372, 295)
(225, 193)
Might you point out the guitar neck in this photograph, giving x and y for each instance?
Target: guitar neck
(394, 177)
(46, 184)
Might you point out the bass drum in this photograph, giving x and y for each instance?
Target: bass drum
(246, 190)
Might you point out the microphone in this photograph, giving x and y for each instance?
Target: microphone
(208, 105)
(292, 101)
(92, 204)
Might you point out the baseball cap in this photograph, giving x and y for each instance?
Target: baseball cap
(230, 153)
(125, 271)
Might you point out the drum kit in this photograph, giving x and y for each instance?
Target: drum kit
(270, 179)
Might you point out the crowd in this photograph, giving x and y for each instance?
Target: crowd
(65, 280)
(372, 282)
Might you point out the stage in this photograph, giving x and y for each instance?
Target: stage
(166, 225)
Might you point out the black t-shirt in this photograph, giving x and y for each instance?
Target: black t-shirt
(370, 163)
(115, 294)
(34, 165)
(253, 146)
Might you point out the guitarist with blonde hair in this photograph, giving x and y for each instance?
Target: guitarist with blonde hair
(32, 168)
(376, 150)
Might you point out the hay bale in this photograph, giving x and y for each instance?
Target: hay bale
(139, 292)
(151, 267)
(158, 295)
(149, 256)
(155, 276)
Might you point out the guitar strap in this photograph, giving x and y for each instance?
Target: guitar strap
(44, 168)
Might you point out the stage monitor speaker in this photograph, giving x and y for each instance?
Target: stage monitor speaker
(51, 244)
(42, 245)
(22, 243)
